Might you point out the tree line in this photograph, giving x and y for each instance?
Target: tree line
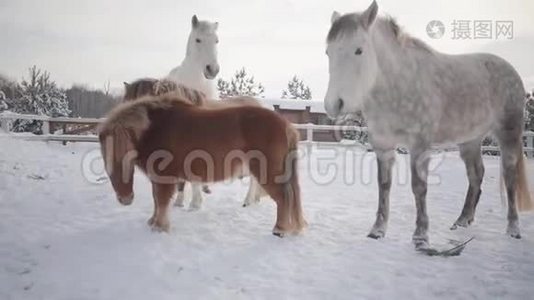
(39, 94)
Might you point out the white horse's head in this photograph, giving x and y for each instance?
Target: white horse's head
(352, 60)
(202, 46)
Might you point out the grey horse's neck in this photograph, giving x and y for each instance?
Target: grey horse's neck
(398, 53)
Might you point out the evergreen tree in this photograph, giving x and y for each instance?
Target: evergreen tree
(297, 90)
(3, 103)
(39, 95)
(240, 85)
(529, 113)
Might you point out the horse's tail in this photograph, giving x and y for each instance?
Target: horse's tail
(118, 137)
(292, 187)
(523, 197)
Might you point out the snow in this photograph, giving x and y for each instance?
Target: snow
(64, 236)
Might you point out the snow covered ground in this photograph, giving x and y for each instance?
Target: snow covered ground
(64, 236)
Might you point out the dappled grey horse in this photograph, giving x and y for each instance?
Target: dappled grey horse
(414, 96)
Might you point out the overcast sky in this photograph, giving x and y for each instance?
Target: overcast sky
(91, 42)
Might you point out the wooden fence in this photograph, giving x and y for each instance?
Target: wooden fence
(71, 129)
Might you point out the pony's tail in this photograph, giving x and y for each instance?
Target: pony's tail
(523, 197)
(292, 187)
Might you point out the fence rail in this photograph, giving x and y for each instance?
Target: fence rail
(310, 129)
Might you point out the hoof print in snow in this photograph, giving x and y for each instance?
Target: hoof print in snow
(36, 177)
(455, 251)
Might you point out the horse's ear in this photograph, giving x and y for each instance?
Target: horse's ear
(215, 25)
(335, 15)
(194, 21)
(126, 84)
(369, 15)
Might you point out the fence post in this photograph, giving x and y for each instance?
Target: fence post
(530, 144)
(309, 133)
(4, 123)
(46, 127)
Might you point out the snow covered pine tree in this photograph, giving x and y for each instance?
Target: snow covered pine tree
(39, 95)
(297, 90)
(241, 85)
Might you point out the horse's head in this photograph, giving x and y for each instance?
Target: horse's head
(119, 157)
(352, 60)
(202, 46)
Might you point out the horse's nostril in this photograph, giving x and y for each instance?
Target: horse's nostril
(208, 68)
(340, 104)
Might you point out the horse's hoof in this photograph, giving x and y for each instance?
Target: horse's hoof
(461, 222)
(206, 189)
(513, 230)
(375, 236)
(421, 244)
(150, 221)
(516, 236)
(279, 234)
(377, 232)
(193, 208)
(420, 241)
(160, 228)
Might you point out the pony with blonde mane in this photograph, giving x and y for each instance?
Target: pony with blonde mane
(154, 87)
(166, 137)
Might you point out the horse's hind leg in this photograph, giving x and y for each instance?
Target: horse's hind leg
(472, 156)
(180, 197)
(385, 161)
(150, 221)
(283, 208)
(510, 144)
(162, 194)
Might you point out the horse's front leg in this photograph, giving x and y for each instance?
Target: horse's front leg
(162, 194)
(385, 160)
(419, 160)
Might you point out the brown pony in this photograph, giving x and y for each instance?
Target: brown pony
(154, 87)
(171, 139)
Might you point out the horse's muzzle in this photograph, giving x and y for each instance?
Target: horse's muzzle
(211, 71)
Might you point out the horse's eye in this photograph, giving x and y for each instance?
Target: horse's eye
(358, 51)
(198, 41)
(216, 41)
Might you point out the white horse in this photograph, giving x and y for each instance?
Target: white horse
(198, 71)
(414, 96)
